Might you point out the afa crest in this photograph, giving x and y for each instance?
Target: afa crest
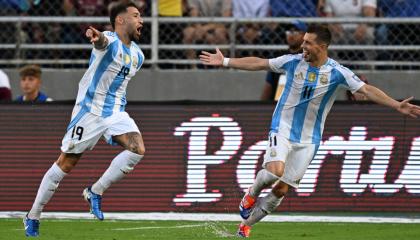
(127, 59)
(311, 77)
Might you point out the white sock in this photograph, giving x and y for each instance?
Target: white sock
(264, 207)
(264, 179)
(121, 165)
(46, 190)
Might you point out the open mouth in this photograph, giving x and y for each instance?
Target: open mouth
(139, 29)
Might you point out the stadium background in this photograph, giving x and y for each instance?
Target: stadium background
(30, 135)
(169, 179)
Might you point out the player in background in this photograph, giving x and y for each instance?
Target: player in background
(313, 81)
(99, 111)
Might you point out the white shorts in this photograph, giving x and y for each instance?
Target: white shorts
(84, 132)
(296, 157)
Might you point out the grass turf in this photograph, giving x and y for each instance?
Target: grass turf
(11, 229)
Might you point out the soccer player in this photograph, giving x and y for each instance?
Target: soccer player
(99, 111)
(313, 81)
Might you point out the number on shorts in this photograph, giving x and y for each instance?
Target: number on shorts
(78, 131)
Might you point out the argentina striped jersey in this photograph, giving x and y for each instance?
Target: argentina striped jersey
(308, 96)
(102, 88)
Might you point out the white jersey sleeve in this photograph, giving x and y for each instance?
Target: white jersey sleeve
(111, 37)
(278, 64)
(353, 82)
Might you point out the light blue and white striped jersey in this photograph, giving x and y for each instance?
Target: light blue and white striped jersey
(102, 88)
(308, 96)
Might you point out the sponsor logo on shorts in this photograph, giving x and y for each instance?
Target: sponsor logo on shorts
(71, 146)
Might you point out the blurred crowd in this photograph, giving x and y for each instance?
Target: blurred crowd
(211, 33)
(214, 33)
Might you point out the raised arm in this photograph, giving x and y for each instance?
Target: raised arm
(378, 96)
(246, 63)
(97, 38)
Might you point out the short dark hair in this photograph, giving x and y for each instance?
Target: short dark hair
(322, 32)
(30, 71)
(119, 8)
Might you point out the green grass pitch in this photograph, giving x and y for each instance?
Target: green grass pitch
(11, 229)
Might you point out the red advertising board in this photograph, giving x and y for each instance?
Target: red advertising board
(200, 157)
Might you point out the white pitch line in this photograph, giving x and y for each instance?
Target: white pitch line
(141, 228)
(211, 217)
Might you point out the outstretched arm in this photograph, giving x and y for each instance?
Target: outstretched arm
(246, 63)
(378, 96)
(97, 38)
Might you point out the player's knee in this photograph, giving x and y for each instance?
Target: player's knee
(66, 166)
(67, 162)
(280, 190)
(276, 168)
(141, 150)
(278, 172)
(137, 148)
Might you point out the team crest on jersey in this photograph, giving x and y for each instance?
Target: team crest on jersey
(323, 79)
(299, 76)
(273, 152)
(311, 77)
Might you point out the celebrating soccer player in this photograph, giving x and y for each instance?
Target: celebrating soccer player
(313, 81)
(99, 111)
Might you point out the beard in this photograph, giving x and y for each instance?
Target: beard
(310, 56)
(135, 38)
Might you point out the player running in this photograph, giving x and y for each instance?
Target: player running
(313, 81)
(99, 111)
